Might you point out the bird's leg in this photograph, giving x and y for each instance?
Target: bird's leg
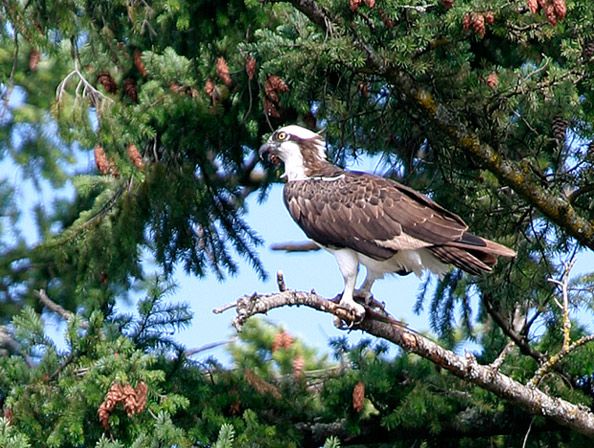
(348, 264)
(364, 292)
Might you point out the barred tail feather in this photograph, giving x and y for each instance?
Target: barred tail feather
(472, 254)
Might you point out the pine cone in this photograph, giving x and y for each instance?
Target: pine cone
(298, 366)
(138, 63)
(370, 3)
(493, 80)
(130, 89)
(478, 24)
(223, 71)
(549, 10)
(560, 8)
(103, 164)
(134, 156)
(260, 385)
(270, 109)
(34, 57)
(447, 4)
(354, 4)
(275, 83)
(209, 87)
(359, 396)
(466, 22)
(141, 396)
(559, 128)
(490, 17)
(106, 80)
(282, 340)
(272, 87)
(533, 6)
(250, 67)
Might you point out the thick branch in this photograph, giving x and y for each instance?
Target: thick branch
(529, 398)
(555, 207)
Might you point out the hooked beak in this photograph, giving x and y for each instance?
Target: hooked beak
(269, 150)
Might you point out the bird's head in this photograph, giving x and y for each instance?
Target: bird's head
(300, 149)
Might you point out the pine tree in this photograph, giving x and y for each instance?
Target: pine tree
(150, 112)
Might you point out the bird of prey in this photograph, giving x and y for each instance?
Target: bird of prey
(366, 219)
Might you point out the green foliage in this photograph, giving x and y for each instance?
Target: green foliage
(86, 84)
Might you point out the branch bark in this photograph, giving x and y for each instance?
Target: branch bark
(531, 399)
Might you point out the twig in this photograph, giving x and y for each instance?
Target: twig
(495, 365)
(527, 433)
(564, 285)
(555, 359)
(280, 281)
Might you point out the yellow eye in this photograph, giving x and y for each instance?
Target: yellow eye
(281, 136)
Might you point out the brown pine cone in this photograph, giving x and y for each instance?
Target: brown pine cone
(34, 57)
(139, 64)
(359, 396)
(107, 81)
(223, 71)
(130, 89)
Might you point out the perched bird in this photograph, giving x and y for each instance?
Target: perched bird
(366, 219)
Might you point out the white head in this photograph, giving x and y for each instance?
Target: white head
(299, 149)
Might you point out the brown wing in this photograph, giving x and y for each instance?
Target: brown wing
(370, 214)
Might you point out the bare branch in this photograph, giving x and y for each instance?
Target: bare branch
(56, 308)
(529, 398)
(297, 246)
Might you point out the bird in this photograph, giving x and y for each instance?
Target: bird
(365, 219)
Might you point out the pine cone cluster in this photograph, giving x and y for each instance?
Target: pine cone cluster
(133, 400)
(223, 71)
(282, 340)
(478, 21)
(250, 67)
(273, 86)
(359, 396)
(555, 10)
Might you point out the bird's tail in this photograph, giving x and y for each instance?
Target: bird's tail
(471, 253)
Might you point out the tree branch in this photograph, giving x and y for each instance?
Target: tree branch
(530, 399)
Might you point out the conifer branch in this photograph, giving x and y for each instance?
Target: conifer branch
(466, 367)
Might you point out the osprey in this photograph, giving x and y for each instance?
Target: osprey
(366, 219)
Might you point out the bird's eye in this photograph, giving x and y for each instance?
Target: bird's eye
(281, 136)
